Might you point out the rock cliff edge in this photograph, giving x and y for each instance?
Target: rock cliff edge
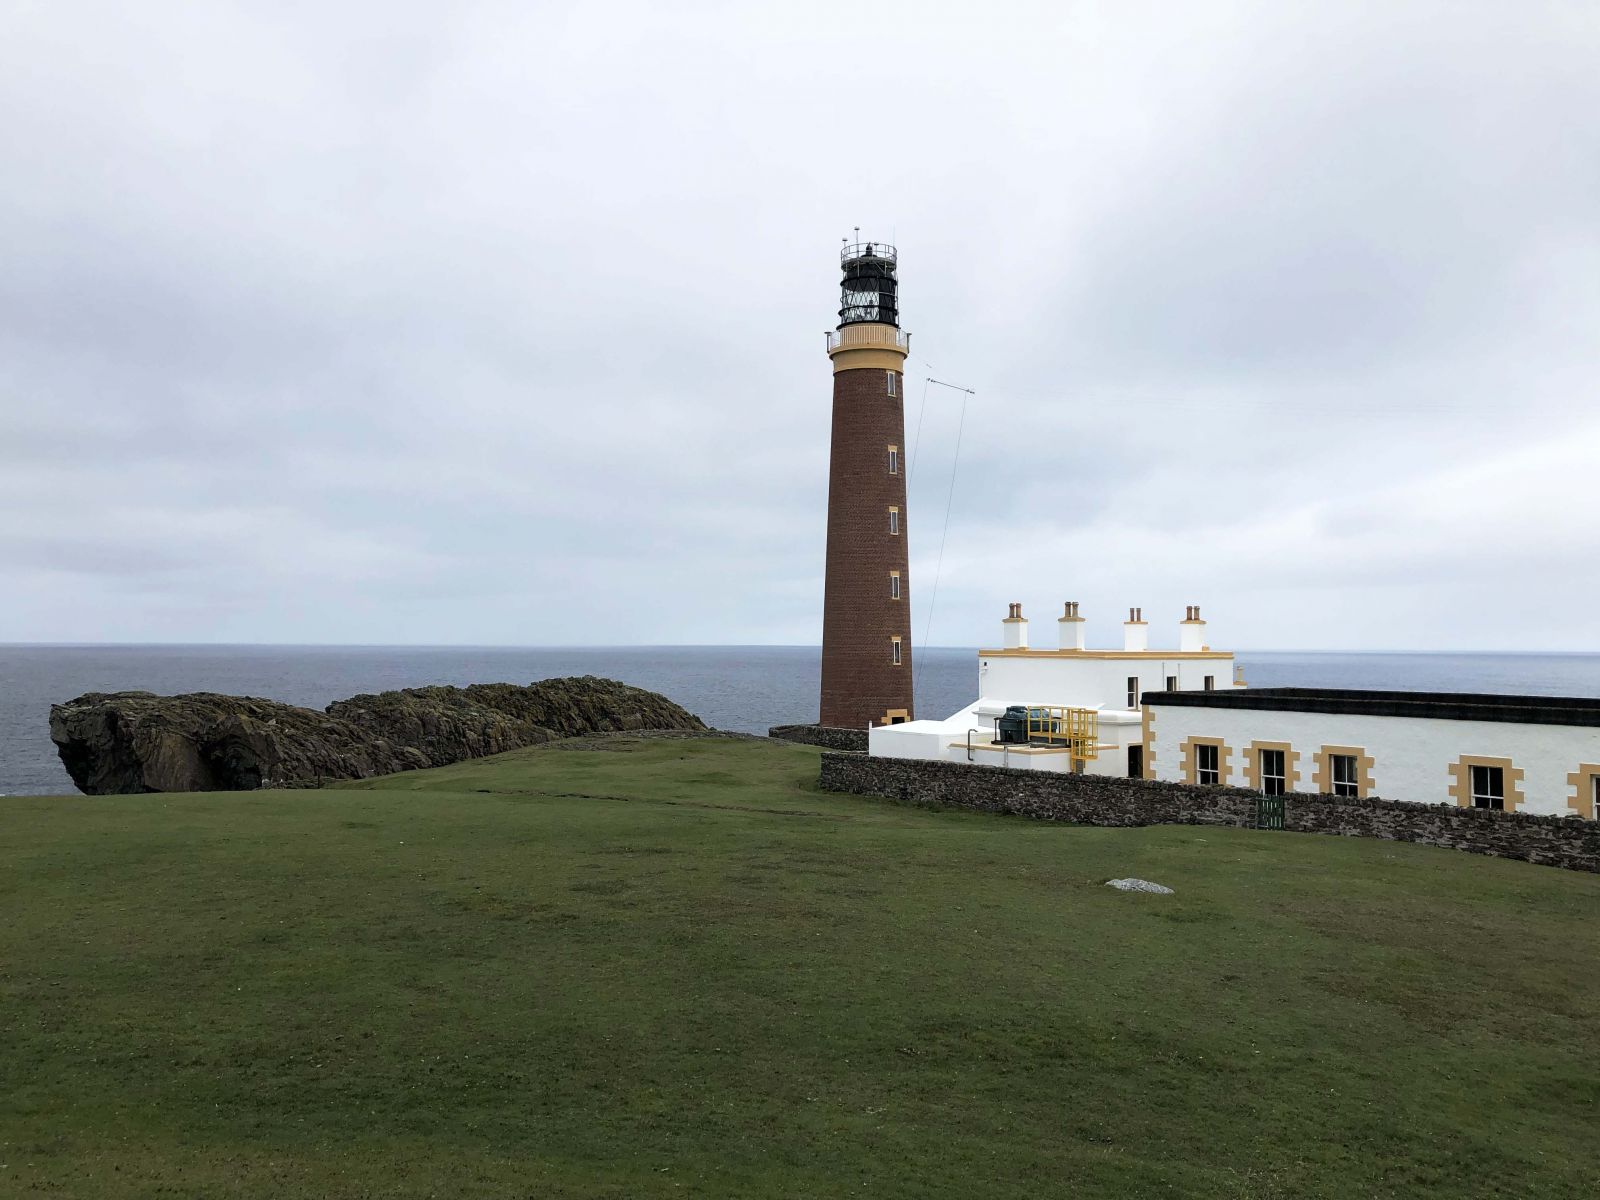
(128, 742)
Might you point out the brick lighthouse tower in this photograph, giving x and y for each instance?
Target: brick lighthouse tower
(866, 608)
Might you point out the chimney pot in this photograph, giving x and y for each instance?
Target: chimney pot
(1014, 629)
(1136, 634)
(1070, 628)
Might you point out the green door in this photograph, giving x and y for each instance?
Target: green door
(1269, 812)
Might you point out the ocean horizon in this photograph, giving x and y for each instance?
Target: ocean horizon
(742, 688)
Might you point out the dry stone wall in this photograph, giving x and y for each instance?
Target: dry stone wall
(829, 737)
(1568, 842)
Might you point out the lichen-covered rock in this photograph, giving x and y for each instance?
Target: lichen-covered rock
(128, 742)
(488, 718)
(1139, 885)
(140, 742)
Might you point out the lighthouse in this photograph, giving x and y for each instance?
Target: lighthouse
(866, 608)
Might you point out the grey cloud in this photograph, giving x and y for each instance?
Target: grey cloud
(503, 323)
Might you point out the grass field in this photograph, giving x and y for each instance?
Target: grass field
(674, 968)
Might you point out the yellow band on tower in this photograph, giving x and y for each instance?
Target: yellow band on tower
(870, 345)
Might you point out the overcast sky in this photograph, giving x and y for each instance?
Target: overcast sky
(502, 323)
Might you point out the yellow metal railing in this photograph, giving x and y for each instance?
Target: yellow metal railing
(1078, 729)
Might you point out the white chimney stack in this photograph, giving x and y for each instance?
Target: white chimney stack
(1135, 633)
(1191, 631)
(1070, 625)
(1015, 629)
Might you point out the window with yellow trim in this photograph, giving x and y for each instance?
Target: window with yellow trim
(1202, 760)
(1483, 781)
(1585, 783)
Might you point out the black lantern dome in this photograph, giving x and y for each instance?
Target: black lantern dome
(870, 289)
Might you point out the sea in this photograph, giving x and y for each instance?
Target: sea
(745, 688)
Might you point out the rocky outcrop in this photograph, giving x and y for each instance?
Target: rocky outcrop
(141, 742)
(448, 724)
(128, 742)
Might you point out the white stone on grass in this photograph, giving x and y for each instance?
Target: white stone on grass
(1138, 885)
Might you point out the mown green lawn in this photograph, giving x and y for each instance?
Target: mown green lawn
(674, 968)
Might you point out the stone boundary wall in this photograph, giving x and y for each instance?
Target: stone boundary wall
(829, 737)
(1569, 842)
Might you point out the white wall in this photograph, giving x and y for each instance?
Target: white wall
(1039, 678)
(1412, 756)
(1023, 758)
(910, 739)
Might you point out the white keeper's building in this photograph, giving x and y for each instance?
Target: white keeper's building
(1185, 715)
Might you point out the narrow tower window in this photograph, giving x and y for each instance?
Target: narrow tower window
(1172, 683)
(1133, 691)
(894, 585)
(890, 374)
(894, 460)
(894, 651)
(894, 520)
(1211, 683)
